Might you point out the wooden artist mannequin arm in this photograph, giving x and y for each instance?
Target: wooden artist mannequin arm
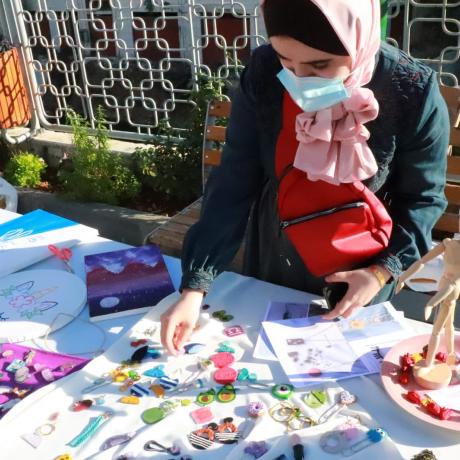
(419, 264)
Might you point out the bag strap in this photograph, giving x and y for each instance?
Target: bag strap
(288, 168)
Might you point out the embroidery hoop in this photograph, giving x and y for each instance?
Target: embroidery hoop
(29, 309)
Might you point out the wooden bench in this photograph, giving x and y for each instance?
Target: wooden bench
(170, 236)
(449, 223)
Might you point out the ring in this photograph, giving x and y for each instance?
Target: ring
(46, 429)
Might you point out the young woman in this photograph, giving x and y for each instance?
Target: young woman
(328, 99)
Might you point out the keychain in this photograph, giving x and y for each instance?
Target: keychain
(373, 436)
(34, 439)
(345, 399)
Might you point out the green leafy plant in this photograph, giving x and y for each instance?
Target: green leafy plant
(25, 169)
(96, 174)
(173, 167)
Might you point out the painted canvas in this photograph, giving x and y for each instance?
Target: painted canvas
(126, 282)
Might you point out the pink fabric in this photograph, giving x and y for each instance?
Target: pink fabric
(332, 142)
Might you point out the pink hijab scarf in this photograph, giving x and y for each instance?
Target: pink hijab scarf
(333, 141)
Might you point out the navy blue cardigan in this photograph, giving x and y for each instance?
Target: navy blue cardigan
(409, 140)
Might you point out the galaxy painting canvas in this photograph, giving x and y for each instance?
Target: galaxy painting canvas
(126, 282)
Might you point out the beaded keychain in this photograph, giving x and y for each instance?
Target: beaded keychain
(90, 429)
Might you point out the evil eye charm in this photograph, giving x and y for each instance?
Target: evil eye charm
(283, 391)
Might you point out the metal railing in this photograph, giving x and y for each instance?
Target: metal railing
(140, 59)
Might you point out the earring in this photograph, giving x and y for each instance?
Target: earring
(203, 438)
(227, 433)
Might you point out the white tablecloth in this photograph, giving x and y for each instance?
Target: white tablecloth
(247, 299)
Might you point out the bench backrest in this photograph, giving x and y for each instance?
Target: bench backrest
(449, 223)
(217, 115)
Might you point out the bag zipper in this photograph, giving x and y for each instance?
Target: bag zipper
(287, 223)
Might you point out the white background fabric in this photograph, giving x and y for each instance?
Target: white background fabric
(246, 299)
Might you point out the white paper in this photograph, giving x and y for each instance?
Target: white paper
(309, 353)
(368, 336)
(277, 311)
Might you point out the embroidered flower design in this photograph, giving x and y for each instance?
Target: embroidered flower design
(22, 301)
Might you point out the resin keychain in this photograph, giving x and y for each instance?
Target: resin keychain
(345, 399)
(373, 436)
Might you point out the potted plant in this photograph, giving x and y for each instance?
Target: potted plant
(14, 101)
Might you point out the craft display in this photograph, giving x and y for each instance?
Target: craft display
(423, 363)
(36, 302)
(151, 394)
(25, 370)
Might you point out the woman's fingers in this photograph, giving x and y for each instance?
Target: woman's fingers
(338, 277)
(168, 328)
(341, 308)
(184, 331)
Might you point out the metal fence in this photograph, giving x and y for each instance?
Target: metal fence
(140, 59)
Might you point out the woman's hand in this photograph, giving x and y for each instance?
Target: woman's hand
(179, 320)
(363, 286)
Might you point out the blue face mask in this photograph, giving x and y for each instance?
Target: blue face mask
(313, 93)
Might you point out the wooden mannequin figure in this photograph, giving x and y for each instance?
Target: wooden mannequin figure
(429, 373)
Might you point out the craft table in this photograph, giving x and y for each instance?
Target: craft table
(247, 299)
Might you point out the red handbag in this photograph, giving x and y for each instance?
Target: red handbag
(332, 227)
